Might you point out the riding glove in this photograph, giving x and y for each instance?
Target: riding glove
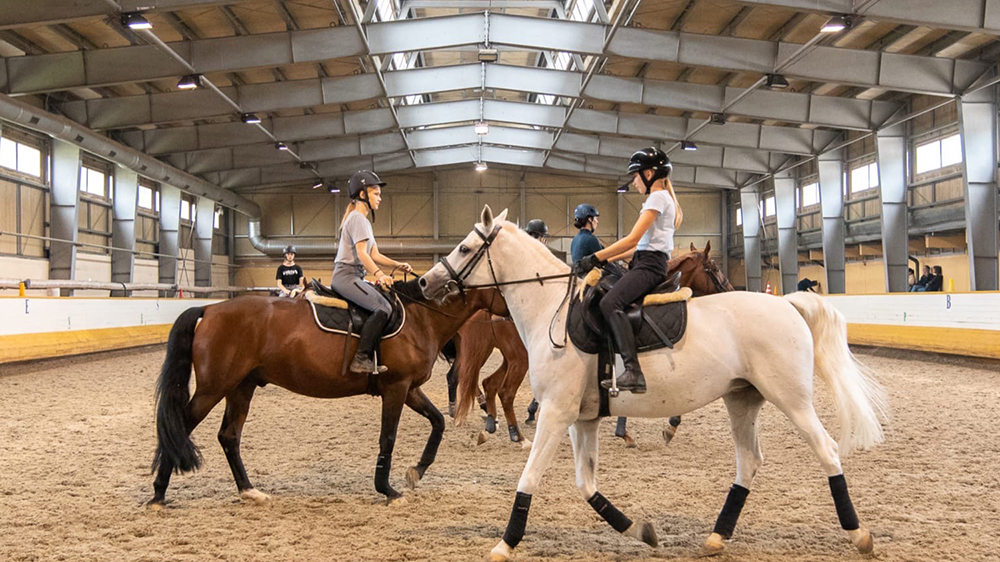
(584, 265)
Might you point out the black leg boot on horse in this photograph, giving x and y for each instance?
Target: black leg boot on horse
(364, 361)
(632, 379)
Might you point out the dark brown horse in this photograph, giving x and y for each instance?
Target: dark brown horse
(477, 339)
(252, 341)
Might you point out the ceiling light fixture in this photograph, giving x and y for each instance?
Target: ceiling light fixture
(249, 118)
(482, 128)
(688, 145)
(777, 82)
(489, 55)
(334, 188)
(318, 184)
(135, 21)
(835, 24)
(481, 166)
(280, 145)
(623, 188)
(189, 82)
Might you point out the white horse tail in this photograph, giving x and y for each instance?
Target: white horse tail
(861, 401)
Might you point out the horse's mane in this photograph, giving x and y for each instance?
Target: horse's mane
(409, 290)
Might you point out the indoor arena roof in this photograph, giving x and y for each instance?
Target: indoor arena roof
(575, 85)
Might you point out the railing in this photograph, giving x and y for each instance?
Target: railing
(47, 284)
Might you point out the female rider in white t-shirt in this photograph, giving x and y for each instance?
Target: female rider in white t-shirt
(652, 241)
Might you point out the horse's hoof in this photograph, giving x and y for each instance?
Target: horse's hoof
(862, 540)
(412, 477)
(643, 531)
(154, 505)
(629, 442)
(451, 410)
(483, 436)
(526, 445)
(714, 545)
(668, 434)
(501, 552)
(254, 495)
(398, 499)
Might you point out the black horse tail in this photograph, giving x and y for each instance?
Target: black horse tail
(174, 445)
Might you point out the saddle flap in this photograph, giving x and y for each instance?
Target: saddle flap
(336, 315)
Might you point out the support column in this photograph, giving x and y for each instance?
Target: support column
(436, 201)
(749, 203)
(977, 117)
(123, 228)
(788, 240)
(831, 193)
(204, 224)
(64, 210)
(170, 225)
(890, 147)
(724, 222)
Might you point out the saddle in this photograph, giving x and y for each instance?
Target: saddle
(333, 313)
(658, 322)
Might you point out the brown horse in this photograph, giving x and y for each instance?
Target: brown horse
(479, 336)
(252, 341)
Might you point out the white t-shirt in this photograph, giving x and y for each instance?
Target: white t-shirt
(355, 229)
(659, 237)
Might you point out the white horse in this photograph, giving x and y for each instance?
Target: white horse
(743, 347)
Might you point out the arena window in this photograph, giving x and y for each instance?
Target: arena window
(739, 217)
(769, 209)
(22, 153)
(809, 195)
(939, 154)
(864, 177)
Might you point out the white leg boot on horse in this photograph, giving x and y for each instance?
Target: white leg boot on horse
(742, 347)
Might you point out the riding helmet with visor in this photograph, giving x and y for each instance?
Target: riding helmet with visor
(650, 159)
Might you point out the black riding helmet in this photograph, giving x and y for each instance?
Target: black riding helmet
(650, 159)
(289, 250)
(358, 187)
(537, 228)
(583, 212)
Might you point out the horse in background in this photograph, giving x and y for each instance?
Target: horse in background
(483, 333)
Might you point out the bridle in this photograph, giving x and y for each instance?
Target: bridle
(457, 278)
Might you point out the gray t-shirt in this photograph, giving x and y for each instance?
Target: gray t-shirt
(355, 229)
(659, 236)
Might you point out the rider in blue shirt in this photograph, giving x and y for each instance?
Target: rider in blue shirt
(585, 217)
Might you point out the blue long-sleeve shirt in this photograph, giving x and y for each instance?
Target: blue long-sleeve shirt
(584, 244)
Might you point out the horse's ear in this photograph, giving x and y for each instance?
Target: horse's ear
(487, 217)
(708, 248)
(693, 249)
(502, 216)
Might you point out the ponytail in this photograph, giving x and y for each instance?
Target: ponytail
(350, 207)
(678, 212)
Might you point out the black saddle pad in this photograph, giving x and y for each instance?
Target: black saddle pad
(655, 326)
(341, 321)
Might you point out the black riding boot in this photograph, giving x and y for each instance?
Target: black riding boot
(632, 378)
(370, 334)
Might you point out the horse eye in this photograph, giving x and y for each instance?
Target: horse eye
(464, 250)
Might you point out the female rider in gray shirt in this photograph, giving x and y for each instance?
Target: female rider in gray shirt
(357, 255)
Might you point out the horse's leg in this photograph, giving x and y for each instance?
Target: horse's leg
(393, 398)
(532, 410)
(508, 391)
(419, 403)
(671, 429)
(199, 407)
(583, 434)
(452, 378)
(744, 407)
(803, 416)
(230, 434)
(621, 430)
(553, 421)
(491, 385)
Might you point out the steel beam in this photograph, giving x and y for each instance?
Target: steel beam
(131, 111)
(890, 146)
(64, 209)
(980, 16)
(977, 117)
(170, 225)
(123, 228)
(862, 68)
(203, 229)
(750, 204)
(788, 244)
(831, 186)
(18, 13)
